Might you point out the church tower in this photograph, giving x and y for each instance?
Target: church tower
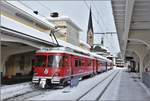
(90, 32)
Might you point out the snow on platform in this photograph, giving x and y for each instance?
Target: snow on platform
(14, 90)
(72, 93)
(125, 86)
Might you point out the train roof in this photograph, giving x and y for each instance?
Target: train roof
(65, 50)
(101, 57)
(82, 52)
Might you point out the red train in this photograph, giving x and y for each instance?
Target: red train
(57, 66)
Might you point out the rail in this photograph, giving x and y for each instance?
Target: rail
(102, 92)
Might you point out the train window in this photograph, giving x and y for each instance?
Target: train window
(64, 61)
(39, 60)
(76, 62)
(80, 61)
(89, 62)
(54, 61)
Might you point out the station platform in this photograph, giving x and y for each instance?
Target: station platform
(127, 86)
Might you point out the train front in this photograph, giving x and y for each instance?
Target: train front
(49, 69)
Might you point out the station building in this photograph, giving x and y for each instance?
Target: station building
(23, 32)
(133, 27)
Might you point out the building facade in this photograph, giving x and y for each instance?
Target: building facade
(68, 27)
(21, 36)
(23, 32)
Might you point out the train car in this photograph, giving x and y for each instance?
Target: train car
(109, 64)
(101, 63)
(56, 66)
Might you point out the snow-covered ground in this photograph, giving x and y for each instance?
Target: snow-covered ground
(74, 93)
(8, 91)
(122, 86)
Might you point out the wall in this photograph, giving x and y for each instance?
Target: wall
(73, 35)
(19, 63)
(28, 23)
(62, 25)
(146, 61)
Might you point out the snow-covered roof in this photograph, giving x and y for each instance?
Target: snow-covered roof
(24, 11)
(29, 32)
(85, 44)
(64, 18)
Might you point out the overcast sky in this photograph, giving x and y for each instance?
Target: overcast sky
(78, 11)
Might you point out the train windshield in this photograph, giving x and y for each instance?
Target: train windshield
(57, 61)
(40, 61)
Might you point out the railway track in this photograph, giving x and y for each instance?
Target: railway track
(35, 92)
(107, 79)
(25, 95)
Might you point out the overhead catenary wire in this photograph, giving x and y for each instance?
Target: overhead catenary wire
(25, 5)
(52, 31)
(97, 21)
(104, 34)
(44, 6)
(28, 7)
(101, 18)
(99, 15)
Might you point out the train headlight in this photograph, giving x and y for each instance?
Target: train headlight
(35, 73)
(45, 71)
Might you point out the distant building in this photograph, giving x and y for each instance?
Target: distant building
(120, 62)
(101, 50)
(22, 33)
(68, 27)
(84, 45)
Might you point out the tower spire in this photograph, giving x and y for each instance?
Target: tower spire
(90, 32)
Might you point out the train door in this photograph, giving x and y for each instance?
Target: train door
(67, 62)
(99, 66)
(93, 66)
(74, 66)
(106, 64)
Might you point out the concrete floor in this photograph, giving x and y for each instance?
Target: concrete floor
(127, 86)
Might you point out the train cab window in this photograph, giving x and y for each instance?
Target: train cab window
(39, 60)
(57, 61)
(53, 61)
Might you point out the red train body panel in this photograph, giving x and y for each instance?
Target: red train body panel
(58, 66)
